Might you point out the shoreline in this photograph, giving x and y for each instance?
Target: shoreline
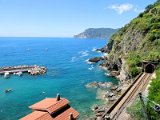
(103, 94)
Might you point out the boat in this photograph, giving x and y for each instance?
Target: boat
(19, 73)
(8, 90)
(6, 75)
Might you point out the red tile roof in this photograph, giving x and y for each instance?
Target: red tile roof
(50, 104)
(66, 114)
(51, 109)
(38, 115)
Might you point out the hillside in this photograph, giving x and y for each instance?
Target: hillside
(101, 33)
(136, 42)
(139, 40)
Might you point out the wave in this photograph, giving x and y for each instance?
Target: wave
(94, 49)
(92, 67)
(84, 53)
(87, 61)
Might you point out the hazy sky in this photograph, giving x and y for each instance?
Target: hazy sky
(64, 18)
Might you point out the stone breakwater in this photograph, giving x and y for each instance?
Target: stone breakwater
(19, 70)
(37, 70)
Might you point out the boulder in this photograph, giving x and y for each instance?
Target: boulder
(99, 84)
(92, 85)
(103, 50)
(114, 88)
(114, 73)
(95, 59)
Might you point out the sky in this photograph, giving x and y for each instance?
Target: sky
(64, 18)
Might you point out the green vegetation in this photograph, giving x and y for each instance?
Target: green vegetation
(136, 42)
(102, 33)
(139, 40)
(154, 95)
(134, 63)
(135, 110)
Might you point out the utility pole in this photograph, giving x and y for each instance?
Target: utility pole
(144, 107)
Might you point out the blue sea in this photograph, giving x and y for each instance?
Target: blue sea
(68, 73)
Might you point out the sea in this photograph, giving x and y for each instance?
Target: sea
(67, 73)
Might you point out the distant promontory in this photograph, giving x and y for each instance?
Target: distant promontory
(99, 33)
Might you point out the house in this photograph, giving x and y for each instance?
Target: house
(52, 109)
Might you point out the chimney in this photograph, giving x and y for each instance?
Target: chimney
(58, 97)
(71, 116)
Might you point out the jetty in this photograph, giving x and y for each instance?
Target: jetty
(32, 70)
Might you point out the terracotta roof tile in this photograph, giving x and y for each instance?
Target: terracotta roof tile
(37, 115)
(66, 114)
(50, 104)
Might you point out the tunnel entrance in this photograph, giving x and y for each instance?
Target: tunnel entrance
(149, 68)
(115, 67)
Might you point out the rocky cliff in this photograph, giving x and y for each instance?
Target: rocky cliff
(102, 33)
(139, 40)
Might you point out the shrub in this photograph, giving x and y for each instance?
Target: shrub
(149, 7)
(135, 110)
(140, 15)
(154, 95)
(153, 56)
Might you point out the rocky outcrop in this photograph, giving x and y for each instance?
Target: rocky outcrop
(37, 70)
(114, 73)
(107, 48)
(95, 59)
(96, 84)
(124, 75)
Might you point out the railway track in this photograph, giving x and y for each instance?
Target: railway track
(138, 85)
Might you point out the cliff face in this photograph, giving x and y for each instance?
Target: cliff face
(139, 40)
(102, 33)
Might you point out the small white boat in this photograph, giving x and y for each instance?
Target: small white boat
(6, 75)
(8, 90)
(19, 73)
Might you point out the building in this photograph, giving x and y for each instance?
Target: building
(52, 109)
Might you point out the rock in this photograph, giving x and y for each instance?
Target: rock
(111, 94)
(99, 84)
(102, 85)
(95, 107)
(106, 94)
(95, 59)
(105, 84)
(114, 73)
(118, 89)
(103, 50)
(98, 118)
(112, 98)
(123, 76)
(114, 88)
(92, 85)
(37, 70)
